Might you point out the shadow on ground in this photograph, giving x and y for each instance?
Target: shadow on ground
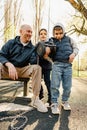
(68, 120)
(64, 120)
(36, 120)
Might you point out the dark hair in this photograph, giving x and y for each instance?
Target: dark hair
(42, 30)
(57, 28)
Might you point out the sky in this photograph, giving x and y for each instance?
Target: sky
(60, 11)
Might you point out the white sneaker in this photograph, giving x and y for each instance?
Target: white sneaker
(39, 105)
(55, 109)
(66, 105)
(47, 104)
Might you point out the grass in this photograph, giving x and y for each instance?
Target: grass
(77, 73)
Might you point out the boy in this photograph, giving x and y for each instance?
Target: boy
(66, 50)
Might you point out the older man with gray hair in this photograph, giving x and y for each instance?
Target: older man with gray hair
(18, 60)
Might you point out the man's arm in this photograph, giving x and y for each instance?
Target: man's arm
(4, 59)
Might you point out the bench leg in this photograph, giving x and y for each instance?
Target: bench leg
(26, 88)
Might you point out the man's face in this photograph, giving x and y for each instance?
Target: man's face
(26, 34)
(58, 34)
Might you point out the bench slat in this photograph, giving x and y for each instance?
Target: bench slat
(25, 80)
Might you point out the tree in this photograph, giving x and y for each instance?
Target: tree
(39, 4)
(80, 6)
(11, 18)
(7, 20)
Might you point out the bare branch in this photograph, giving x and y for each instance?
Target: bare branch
(79, 31)
(79, 6)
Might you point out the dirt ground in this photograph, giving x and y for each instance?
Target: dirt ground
(76, 119)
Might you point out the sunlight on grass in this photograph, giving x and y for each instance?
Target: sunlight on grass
(77, 73)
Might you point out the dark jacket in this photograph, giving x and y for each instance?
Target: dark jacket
(42, 62)
(45, 64)
(63, 49)
(13, 51)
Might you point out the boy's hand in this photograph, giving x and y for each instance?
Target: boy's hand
(47, 52)
(71, 57)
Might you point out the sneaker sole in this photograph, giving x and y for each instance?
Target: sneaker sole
(55, 113)
(47, 105)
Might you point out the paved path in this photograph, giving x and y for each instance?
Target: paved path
(68, 120)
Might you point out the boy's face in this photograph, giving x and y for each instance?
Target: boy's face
(58, 34)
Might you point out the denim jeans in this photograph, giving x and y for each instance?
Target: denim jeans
(61, 72)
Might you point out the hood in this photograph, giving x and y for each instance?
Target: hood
(61, 25)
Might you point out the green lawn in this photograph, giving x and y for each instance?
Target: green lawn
(77, 73)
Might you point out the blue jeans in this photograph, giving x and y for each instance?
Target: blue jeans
(61, 72)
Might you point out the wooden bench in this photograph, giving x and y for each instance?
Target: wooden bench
(25, 80)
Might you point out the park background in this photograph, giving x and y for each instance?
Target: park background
(45, 14)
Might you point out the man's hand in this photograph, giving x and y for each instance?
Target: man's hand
(71, 57)
(12, 71)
